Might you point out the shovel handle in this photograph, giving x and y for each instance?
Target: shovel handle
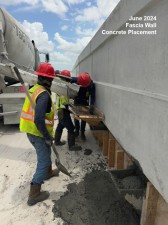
(23, 84)
(18, 75)
(56, 153)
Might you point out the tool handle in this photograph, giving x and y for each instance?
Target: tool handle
(18, 75)
(23, 84)
(56, 153)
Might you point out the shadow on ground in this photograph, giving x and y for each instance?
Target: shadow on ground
(94, 201)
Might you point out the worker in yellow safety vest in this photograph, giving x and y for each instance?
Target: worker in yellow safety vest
(64, 118)
(38, 124)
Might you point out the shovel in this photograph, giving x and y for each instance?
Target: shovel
(58, 163)
(60, 167)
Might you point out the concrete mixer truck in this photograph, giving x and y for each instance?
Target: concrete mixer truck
(17, 50)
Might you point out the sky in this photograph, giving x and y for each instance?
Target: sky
(61, 27)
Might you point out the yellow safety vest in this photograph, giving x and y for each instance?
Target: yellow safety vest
(60, 100)
(27, 115)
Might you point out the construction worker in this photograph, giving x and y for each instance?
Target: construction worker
(85, 97)
(64, 118)
(38, 124)
(57, 72)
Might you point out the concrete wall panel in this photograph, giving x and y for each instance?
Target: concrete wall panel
(131, 79)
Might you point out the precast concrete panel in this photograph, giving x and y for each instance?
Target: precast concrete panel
(85, 53)
(100, 65)
(130, 72)
(75, 72)
(86, 65)
(115, 21)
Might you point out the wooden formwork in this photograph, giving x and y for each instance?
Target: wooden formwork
(105, 142)
(149, 205)
(114, 153)
(111, 152)
(83, 113)
(98, 134)
(154, 208)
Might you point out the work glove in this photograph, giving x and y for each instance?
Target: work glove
(91, 109)
(49, 142)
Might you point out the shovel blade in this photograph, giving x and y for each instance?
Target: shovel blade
(62, 168)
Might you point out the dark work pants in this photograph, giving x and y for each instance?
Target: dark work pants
(65, 122)
(80, 125)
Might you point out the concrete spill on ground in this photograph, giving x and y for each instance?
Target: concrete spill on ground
(94, 201)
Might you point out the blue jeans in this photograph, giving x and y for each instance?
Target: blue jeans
(43, 152)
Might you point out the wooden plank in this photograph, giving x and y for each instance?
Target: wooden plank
(162, 212)
(149, 205)
(98, 134)
(119, 159)
(82, 112)
(105, 142)
(111, 153)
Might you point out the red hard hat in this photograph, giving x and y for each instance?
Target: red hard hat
(45, 70)
(84, 79)
(66, 73)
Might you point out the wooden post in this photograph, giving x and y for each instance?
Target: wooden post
(161, 217)
(98, 134)
(149, 205)
(119, 157)
(105, 142)
(111, 152)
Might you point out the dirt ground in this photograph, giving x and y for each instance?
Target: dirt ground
(87, 198)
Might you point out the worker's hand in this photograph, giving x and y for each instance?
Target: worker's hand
(91, 109)
(49, 142)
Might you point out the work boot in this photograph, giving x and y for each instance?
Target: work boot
(71, 143)
(52, 173)
(35, 195)
(83, 137)
(58, 141)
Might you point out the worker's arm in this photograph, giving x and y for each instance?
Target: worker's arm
(74, 80)
(43, 106)
(92, 94)
(92, 98)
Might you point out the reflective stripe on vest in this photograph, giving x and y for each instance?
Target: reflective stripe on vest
(27, 115)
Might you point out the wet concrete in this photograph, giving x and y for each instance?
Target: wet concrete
(94, 201)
